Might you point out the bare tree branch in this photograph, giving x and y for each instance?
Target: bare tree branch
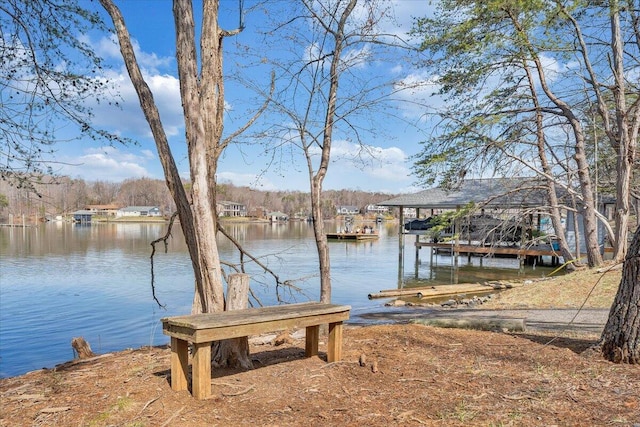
(163, 239)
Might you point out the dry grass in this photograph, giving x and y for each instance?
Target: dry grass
(591, 288)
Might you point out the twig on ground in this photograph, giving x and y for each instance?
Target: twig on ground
(519, 397)
(146, 405)
(246, 390)
(341, 362)
(166, 423)
(226, 384)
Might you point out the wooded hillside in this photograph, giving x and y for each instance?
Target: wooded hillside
(66, 195)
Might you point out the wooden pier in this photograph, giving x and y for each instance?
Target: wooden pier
(528, 254)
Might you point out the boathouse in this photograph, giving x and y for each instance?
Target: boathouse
(82, 216)
(278, 217)
(521, 199)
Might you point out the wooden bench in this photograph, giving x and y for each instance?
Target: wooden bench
(203, 329)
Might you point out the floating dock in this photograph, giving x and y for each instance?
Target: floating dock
(353, 236)
(443, 290)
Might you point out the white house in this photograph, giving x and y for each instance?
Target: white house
(139, 211)
(347, 210)
(226, 208)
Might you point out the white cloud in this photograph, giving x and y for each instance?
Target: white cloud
(107, 164)
(128, 119)
(551, 66)
(108, 48)
(397, 69)
(416, 95)
(356, 58)
(387, 164)
(166, 92)
(353, 166)
(105, 47)
(312, 53)
(148, 154)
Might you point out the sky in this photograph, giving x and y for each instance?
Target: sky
(377, 160)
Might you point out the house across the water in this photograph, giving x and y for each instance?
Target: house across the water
(148, 211)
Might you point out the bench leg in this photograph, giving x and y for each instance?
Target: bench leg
(179, 364)
(334, 348)
(201, 370)
(312, 337)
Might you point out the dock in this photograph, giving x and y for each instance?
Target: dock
(353, 236)
(443, 290)
(523, 253)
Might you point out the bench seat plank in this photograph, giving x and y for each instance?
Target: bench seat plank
(209, 327)
(240, 317)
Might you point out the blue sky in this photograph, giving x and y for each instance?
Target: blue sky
(381, 164)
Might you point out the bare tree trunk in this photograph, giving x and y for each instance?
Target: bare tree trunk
(321, 241)
(234, 352)
(588, 212)
(624, 149)
(200, 94)
(589, 220)
(624, 135)
(620, 339)
(556, 221)
(547, 169)
(576, 228)
(318, 177)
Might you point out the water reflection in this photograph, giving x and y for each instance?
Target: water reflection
(60, 280)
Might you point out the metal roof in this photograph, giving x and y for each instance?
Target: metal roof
(491, 192)
(139, 208)
(83, 212)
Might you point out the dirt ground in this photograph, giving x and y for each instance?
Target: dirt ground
(411, 375)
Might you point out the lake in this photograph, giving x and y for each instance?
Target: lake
(60, 280)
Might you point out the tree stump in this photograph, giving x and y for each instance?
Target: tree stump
(81, 348)
(234, 352)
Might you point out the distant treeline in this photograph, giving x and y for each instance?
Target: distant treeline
(64, 195)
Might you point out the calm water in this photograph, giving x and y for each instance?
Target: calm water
(60, 280)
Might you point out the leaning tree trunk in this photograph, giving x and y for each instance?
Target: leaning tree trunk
(620, 339)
